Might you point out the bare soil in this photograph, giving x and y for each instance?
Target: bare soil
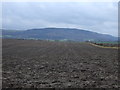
(45, 64)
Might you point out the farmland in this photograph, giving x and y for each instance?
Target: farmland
(108, 44)
(46, 64)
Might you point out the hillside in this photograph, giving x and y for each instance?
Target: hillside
(58, 34)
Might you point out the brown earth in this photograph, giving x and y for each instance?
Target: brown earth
(44, 64)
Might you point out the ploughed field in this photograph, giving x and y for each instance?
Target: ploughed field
(45, 64)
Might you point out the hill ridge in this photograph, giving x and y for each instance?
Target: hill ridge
(58, 34)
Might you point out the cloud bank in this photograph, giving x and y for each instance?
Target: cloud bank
(99, 17)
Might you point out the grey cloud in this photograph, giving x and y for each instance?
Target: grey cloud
(98, 17)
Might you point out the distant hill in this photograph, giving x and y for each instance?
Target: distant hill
(58, 34)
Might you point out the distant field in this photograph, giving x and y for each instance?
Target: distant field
(46, 64)
(108, 44)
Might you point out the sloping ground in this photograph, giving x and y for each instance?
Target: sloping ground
(42, 64)
(58, 34)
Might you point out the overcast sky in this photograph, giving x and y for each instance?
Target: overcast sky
(99, 17)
